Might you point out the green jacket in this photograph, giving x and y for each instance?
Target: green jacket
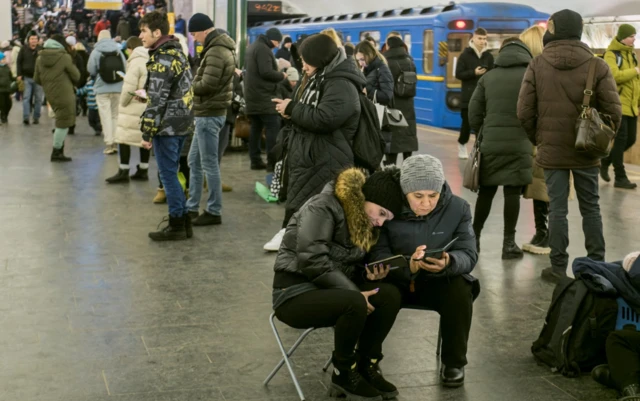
(626, 76)
(213, 83)
(6, 78)
(57, 74)
(507, 154)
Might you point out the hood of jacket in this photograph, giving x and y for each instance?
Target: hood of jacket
(106, 46)
(215, 38)
(167, 42)
(445, 198)
(52, 53)
(512, 55)
(567, 54)
(139, 52)
(343, 67)
(618, 46)
(374, 65)
(347, 188)
(396, 53)
(474, 49)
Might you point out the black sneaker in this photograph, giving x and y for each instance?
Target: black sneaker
(348, 382)
(552, 275)
(174, 231)
(604, 172)
(624, 183)
(370, 372)
(207, 219)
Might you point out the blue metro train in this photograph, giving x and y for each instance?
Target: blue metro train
(435, 37)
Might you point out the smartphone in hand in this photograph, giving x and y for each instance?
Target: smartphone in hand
(439, 252)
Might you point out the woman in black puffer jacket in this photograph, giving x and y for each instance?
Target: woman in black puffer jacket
(375, 68)
(314, 277)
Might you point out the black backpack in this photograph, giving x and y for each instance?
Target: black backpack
(617, 54)
(110, 64)
(575, 330)
(405, 85)
(368, 143)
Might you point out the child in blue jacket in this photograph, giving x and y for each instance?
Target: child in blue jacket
(94, 116)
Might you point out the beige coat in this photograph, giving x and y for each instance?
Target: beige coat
(130, 109)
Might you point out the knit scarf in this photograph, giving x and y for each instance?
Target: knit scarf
(311, 91)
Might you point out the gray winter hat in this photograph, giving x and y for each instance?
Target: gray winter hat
(421, 173)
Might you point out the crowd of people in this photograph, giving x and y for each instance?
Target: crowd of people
(141, 88)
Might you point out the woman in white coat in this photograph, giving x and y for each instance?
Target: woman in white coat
(131, 108)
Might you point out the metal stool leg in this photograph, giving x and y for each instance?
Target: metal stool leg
(439, 346)
(286, 355)
(326, 365)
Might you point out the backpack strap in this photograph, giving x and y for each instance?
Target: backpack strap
(588, 92)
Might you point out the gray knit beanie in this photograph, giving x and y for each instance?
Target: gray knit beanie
(421, 173)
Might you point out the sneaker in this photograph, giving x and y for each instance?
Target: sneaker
(274, 244)
(552, 275)
(207, 219)
(541, 247)
(462, 152)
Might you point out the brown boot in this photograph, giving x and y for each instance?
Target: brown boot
(226, 188)
(161, 197)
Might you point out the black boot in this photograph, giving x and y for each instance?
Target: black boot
(509, 248)
(604, 171)
(142, 174)
(452, 377)
(176, 230)
(630, 393)
(121, 176)
(72, 130)
(347, 381)
(602, 375)
(624, 183)
(57, 155)
(370, 371)
(188, 226)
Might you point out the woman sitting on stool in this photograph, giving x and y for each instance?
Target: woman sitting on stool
(431, 220)
(314, 270)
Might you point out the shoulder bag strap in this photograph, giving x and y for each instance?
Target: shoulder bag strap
(588, 92)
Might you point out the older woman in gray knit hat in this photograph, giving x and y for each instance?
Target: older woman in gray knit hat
(439, 279)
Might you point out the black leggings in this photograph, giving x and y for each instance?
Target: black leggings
(184, 169)
(346, 310)
(510, 213)
(465, 128)
(125, 154)
(392, 158)
(623, 356)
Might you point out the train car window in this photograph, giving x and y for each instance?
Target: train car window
(456, 43)
(406, 38)
(374, 34)
(427, 51)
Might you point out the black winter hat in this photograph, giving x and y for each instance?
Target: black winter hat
(287, 40)
(383, 188)
(394, 42)
(199, 23)
(274, 34)
(318, 50)
(565, 25)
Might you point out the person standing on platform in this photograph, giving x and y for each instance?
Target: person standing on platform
(168, 118)
(285, 51)
(261, 81)
(622, 59)
(213, 91)
(473, 63)
(26, 67)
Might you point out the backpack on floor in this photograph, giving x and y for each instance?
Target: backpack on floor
(368, 144)
(110, 64)
(575, 330)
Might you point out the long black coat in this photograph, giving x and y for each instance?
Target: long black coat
(466, 72)
(403, 139)
(261, 78)
(507, 154)
(319, 145)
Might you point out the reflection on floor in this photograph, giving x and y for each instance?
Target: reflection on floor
(93, 310)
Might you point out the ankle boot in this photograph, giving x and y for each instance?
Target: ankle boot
(370, 371)
(346, 380)
(121, 176)
(142, 174)
(57, 155)
(509, 248)
(161, 196)
(174, 231)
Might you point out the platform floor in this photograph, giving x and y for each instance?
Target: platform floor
(91, 309)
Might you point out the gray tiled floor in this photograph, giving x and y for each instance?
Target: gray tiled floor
(93, 310)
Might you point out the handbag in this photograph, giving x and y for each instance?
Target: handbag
(471, 177)
(388, 116)
(594, 132)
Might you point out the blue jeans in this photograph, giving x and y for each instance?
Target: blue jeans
(31, 88)
(203, 156)
(167, 150)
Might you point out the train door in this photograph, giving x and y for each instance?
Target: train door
(456, 43)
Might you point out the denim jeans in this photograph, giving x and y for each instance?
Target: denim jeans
(271, 124)
(203, 157)
(31, 88)
(586, 185)
(167, 150)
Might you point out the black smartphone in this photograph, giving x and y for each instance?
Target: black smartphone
(394, 262)
(438, 253)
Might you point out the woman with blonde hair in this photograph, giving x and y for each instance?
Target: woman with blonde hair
(532, 37)
(330, 32)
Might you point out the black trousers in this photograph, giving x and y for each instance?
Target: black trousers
(5, 105)
(346, 311)
(465, 129)
(125, 154)
(271, 124)
(288, 214)
(510, 212)
(392, 158)
(625, 139)
(623, 356)
(94, 120)
(452, 298)
(540, 215)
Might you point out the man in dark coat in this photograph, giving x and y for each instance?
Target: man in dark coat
(285, 51)
(506, 150)
(403, 140)
(548, 106)
(260, 86)
(473, 63)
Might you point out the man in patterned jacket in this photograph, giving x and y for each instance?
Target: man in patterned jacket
(168, 118)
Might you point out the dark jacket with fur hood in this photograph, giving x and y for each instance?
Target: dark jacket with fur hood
(326, 238)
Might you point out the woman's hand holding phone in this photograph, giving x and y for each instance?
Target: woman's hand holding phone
(377, 272)
(418, 261)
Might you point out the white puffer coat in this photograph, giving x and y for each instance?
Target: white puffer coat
(130, 109)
